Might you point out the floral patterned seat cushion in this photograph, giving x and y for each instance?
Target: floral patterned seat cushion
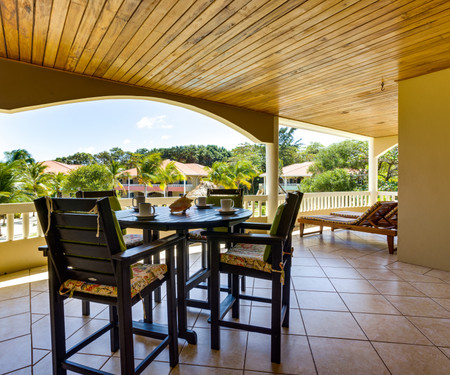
(143, 275)
(132, 240)
(247, 255)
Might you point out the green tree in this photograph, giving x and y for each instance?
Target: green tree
(242, 173)
(388, 170)
(309, 152)
(88, 177)
(9, 185)
(347, 154)
(168, 175)
(56, 184)
(103, 157)
(19, 154)
(115, 168)
(255, 154)
(79, 158)
(35, 180)
(288, 146)
(335, 180)
(232, 175)
(147, 170)
(220, 175)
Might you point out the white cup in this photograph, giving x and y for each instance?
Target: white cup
(146, 209)
(227, 204)
(136, 201)
(200, 201)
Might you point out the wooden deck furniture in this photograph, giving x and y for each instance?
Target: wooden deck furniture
(131, 240)
(389, 220)
(182, 223)
(213, 196)
(380, 218)
(88, 260)
(262, 256)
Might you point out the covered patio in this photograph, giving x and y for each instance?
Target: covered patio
(373, 70)
(355, 310)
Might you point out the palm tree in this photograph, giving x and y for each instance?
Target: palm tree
(220, 174)
(19, 154)
(9, 191)
(168, 175)
(242, 172)
(56, 183)
(116, 169)
(35, 180)
(232, 176)
(147, 170)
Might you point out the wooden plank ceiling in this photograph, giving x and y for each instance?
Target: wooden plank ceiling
(327, 62)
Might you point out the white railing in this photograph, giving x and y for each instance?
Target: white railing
(390, 196)
(22, 223)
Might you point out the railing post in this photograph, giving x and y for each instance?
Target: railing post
(9, 227)
(26, 225)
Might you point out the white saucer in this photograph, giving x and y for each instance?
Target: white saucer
(143, 217)
(227, 212)
(209, 205)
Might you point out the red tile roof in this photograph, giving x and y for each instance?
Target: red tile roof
(295, 170)
(58, 167)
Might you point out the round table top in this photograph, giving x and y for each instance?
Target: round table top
(193, 218)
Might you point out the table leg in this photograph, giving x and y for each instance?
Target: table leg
(156, 260)
(182, 257)
(147, 301)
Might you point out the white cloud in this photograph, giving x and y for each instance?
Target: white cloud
(165, 136)
(126, 141)
(153, 122)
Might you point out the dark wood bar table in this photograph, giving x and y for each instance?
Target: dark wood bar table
(181, 223)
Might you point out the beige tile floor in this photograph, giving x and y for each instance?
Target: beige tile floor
(355, 310)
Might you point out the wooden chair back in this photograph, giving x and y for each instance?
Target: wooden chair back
(81, 238)
(235, 194)
(289, 215)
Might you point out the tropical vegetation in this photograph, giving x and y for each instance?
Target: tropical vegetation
(341, 166)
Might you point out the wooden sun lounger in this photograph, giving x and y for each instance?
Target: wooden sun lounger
(375, 220)
(389, 220)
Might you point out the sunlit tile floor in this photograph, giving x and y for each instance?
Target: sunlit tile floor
(355, 310)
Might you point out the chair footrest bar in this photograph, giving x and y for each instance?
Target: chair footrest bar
(153, 330)
(199, 278)
(71, 366)
(197, 303)
(88, 340)
(142, 366)
(245, 327)
(255, 298)
(226, 305)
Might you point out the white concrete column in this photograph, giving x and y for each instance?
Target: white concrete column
(272, 174)
(373, 173)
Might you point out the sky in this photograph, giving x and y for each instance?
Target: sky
(96, 126)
